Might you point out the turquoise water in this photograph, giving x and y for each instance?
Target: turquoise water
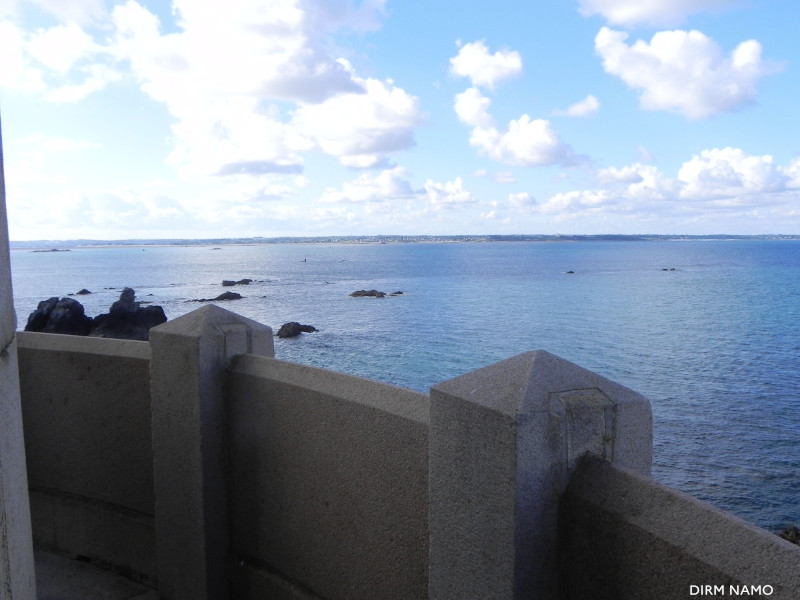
(714, 343)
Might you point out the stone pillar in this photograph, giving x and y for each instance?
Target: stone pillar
(188, 366)
(17, 580)
(504, 441)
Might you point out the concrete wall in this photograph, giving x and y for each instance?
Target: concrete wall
(625, 536)
(329, 483)
(86, 411)
(17, 581)
(199, 463)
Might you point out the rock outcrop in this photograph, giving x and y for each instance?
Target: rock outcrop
(222, 296)
(791, 534)
(126, 319)
(54, 315)
(231, 282)
(373, 294)
(293, 329)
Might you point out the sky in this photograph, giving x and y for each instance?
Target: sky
(198, 119)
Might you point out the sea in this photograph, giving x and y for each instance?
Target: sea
(708, 331)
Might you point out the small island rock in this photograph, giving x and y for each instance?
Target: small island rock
(231, 282)
(293, 329)
(222, 296)
(368, 293)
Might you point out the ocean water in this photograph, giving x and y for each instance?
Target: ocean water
(714, 344)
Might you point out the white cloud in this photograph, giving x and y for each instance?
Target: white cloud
(391, 192)
(63, 63)
(60, 47)
(482, 68)
(448, 194)
(568, 205)
(684, 71)
(712, 184)
(360, 127)
(657, 13)
(583, 108)
(17, 72)
(472, 108)
(729, 172)
(526, 142)
(522, 202)
(262, 53)
(69, 11)
(391, 184)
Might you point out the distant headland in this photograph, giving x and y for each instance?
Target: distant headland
(60, 245)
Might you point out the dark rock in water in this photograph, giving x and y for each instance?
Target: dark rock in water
(59, 316)
(791, 534)
(83, 292)
(293, 329)
(368, 293)
(229, 296)
(222, 296)
(230, 282)
(397, 293)
(126, 319)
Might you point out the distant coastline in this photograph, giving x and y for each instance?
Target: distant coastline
(56, 245)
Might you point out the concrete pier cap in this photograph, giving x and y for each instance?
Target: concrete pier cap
(504, 442)
(188, 377)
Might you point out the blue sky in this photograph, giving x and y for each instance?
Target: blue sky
(149, 119)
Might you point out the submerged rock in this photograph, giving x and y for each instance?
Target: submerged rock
(293, 329)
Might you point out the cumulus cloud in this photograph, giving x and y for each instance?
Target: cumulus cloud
(472, 108)
(223, 94)
(716, 182)
(729, 172)
(62, 63)
(656, 13)
(391, 184)
(392, 190)
(583, 108)
(525, 142)
(684, 71)
(359, 128)
(448, 194)
(522, 202)
(72, 11)
(482, 68)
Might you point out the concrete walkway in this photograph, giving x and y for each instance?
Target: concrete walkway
(60, 578)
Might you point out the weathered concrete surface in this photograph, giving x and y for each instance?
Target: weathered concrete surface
(59, 578)
(17, 580)
(190, 357)
(625, 536)
(329, 483)
(504, 441)
(86, 408)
